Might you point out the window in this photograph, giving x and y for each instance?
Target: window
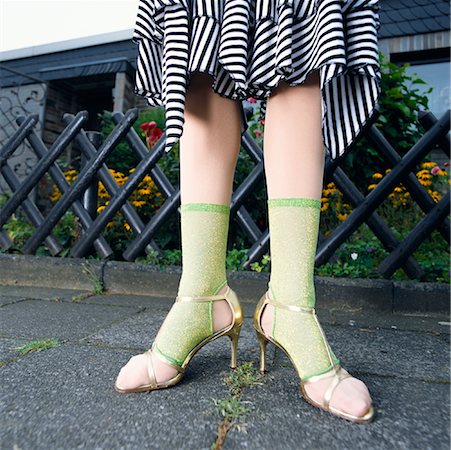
(437, 76)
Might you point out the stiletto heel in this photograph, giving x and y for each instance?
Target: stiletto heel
(339, 372)
(234, 335)
(262, 341)
(232, 331)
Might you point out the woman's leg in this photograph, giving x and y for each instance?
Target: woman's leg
(209, 149)
(294, 165)
(209, 145)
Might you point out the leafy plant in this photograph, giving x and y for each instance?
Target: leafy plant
(262, 265)
(399, 104)
(235, 258)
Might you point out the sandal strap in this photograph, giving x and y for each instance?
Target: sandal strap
(338, 378)
(294, 308)
(166, 360)
(197, 298)
(202, 298)
(339, 375)
(305, 309)
(150, 369)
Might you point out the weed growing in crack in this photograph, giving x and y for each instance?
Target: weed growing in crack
(90, 272)
(232, 408)
(37, 346)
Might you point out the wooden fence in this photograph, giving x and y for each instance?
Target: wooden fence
(81, 195)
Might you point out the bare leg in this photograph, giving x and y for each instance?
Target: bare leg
(294, 165)
(209, 149)
(209, 145)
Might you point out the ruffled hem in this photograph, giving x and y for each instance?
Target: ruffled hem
(248, 47)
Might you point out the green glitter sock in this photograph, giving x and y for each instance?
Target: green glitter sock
(294, 226)
(204, 231)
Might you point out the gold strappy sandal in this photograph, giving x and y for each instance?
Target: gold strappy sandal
(339, 372)
(232, 331)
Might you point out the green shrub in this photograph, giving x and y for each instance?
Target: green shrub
(399, 104)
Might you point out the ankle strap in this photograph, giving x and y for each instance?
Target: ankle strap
(163, 358)
(202, 298)
(294, 308)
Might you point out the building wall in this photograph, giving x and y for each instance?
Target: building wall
(417, 42)
(60, 100)
(123, 95)
(15, 101)
(428, 56)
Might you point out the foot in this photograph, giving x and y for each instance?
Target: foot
(134, 373)
(351, 395)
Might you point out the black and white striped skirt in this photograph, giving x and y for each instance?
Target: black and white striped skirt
(248, 46)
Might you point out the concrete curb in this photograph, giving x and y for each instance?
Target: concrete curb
(139, 279)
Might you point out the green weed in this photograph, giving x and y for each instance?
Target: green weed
(37, 346)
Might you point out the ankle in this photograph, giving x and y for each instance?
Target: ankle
(267, 319)
(222, 313)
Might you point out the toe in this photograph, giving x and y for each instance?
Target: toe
(359, 407)
(133, 374)
(352, 396)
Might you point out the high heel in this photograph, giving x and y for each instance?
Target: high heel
(262, 341)
(234, 334)
(232, 331)
(339, 372)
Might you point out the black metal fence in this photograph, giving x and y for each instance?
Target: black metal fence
(81, 195)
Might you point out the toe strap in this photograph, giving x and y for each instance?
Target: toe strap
(338, 377)
(151, 370)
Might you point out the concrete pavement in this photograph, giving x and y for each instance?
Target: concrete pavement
(63, 397)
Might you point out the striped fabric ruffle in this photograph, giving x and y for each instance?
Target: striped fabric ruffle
(248, 46)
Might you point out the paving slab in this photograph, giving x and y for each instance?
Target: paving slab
(428, 323)
(390, 352)
(136, 301)
(377, 351)
(385, 353)
(410, 415)
(7, 348)
(36, 319)
(8, 299)
(43, 293)
(135, 332)
(139, 331)
(63, 398)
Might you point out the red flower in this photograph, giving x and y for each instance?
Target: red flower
(251, 100)
(258, 133)
(151, 132)
(154, 136)
(446, 164)
(261, 121)
(146, 126)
